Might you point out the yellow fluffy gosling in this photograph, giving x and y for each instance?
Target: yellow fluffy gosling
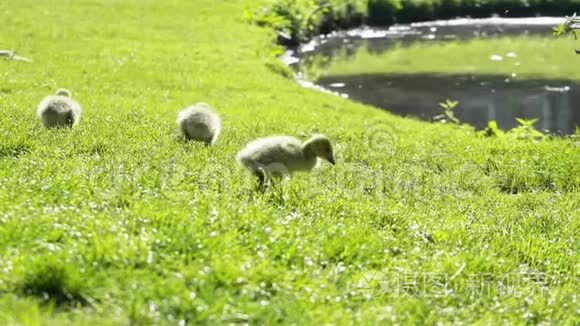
(59, 110)
(199, 122)
(281, 156)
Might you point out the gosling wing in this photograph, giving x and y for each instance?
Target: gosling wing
(275, 149)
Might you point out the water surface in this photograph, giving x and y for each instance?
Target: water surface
(555, 103)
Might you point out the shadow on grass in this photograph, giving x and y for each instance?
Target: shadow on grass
(14, 150)
(53, 282)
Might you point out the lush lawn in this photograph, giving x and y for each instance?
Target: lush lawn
(117, 221)
(526, 57)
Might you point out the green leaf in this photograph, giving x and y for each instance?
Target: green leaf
(528, 123)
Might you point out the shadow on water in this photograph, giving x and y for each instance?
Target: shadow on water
(481, 98)
(556, 103)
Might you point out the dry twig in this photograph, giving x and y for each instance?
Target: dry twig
(11, 55)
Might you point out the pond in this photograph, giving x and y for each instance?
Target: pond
(365, 65)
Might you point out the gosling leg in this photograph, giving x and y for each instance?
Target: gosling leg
(261, 175)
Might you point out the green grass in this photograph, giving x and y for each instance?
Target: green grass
(117, 221)
(526, 57)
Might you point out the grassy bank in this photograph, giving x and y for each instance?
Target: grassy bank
(299, 20)
(117, 221)
(526, 57)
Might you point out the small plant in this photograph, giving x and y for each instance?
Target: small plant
(448, 114)
(570, 27)
(526, 130)
(492, 130)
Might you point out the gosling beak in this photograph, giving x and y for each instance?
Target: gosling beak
(330, 159)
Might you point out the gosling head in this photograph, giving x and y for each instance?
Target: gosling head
(320, 146)
(63, 92)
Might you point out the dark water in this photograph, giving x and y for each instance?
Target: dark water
(555, 103)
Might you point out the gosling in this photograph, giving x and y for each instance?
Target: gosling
(281, 156)
(59, 110)
(200, 123)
